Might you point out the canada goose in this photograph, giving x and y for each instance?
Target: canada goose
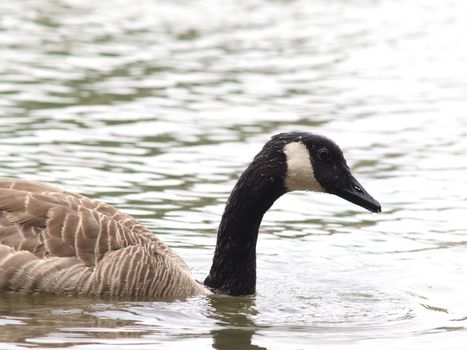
(53, 241)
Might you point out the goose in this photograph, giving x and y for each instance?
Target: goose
(63, 243)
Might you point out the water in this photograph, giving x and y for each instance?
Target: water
(156, 106)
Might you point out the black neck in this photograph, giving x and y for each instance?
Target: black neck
(233, 269)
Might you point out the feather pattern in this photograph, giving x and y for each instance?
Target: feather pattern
(64, 243)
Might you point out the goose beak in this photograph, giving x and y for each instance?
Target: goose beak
(351, 190)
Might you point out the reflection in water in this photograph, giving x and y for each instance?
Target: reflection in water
(44, 320)
(237, 328)
(33, 317)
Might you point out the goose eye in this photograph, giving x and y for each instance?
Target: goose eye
(324, 155)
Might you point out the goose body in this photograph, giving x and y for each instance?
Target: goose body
(53, 241)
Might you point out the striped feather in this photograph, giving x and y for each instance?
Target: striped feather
(53, 241)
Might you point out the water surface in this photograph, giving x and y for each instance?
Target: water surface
(157, 106)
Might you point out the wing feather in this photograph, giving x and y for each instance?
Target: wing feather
(61, 242)
(42, 218)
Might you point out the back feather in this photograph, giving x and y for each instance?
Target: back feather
(64, 243)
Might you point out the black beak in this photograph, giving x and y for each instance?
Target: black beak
(351, 190)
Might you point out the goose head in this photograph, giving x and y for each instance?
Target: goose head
(316, 163)
(288, 162)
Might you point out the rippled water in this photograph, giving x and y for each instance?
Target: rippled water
(156, 106)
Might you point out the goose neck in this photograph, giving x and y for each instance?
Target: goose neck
(233, 269)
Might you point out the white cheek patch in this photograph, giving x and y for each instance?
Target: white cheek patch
(300, 175)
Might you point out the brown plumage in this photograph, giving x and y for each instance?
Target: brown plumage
(63, 243)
